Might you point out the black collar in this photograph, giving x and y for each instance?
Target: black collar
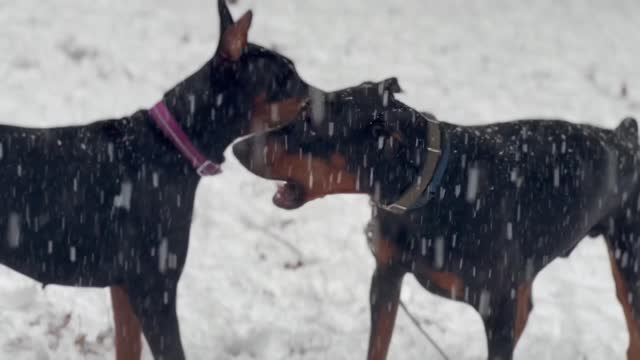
(426, 185)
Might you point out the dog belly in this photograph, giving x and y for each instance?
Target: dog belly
(61, 273)
(508, 237)
(73, 214)
(56, 254)
(62, 243)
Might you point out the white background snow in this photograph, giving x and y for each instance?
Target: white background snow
(74, 61)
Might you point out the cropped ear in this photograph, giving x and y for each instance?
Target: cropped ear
(225, 16)
(233, 40)
(391, 84)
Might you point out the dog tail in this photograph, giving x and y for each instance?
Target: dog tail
(628, 130)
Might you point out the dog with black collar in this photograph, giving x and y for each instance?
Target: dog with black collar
(473, 212)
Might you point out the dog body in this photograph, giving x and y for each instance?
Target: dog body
(514, 197)
(110, 203)
(511, 198)
(101, 205)
(82, 204)
(516, 193)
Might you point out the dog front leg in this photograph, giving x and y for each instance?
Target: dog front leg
(127, 327)
(386, 284)
(156, 309)
(501, 327)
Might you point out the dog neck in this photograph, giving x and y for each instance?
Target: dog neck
(169, 126)
(427, 181)
(204, 115)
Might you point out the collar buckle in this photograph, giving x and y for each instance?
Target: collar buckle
(208, 168)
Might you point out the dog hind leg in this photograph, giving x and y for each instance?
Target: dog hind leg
(499, 316)
(622, 237)
(157, 313)
(524, 306)
(627, 294)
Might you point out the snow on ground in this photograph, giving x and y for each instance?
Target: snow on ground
(74, 61)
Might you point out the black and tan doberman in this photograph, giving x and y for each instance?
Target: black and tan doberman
(473, 212)
(110, 204)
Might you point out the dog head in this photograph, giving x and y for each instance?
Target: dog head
(355, 140)
(243, 88)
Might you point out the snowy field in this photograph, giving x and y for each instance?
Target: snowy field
(74, 61)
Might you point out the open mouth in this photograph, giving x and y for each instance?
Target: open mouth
(290, 195)
(302, 178)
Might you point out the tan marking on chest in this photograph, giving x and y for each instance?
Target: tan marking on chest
(383, 250)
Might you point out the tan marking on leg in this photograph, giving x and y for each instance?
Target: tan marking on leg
(382, 333)
(385, 293)
(383, 250)
(523, 308)
(622, 291)
(127, 327)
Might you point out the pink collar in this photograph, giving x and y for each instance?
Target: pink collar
(172, 130)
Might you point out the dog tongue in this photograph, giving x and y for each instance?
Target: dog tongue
(289, 196)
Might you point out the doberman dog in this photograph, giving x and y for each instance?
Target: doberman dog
(110, 203)
(473, 212)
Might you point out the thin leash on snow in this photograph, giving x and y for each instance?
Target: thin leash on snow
(424, 333)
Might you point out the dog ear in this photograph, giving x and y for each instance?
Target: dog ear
(392, 85)
(225, 16)
(234, 39)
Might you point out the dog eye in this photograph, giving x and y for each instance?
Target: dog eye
(308, 126)
(282, 79)
(378, 130)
